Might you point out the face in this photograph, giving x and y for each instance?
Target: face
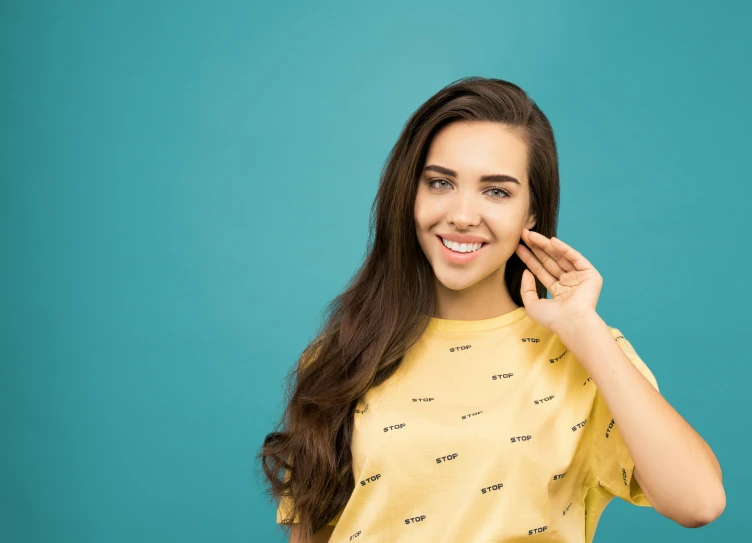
(473, 189)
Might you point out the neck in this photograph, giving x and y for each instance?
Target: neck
(484, 300)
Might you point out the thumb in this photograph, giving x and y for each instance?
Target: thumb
(527, 288)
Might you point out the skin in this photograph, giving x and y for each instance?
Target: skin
(462, 204)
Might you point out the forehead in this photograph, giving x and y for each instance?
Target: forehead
(474, 149)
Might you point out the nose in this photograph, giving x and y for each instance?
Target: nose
(463, 213)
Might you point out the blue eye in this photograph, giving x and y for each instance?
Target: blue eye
(504, 192)
(432, 181)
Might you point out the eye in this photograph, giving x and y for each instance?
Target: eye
(432, 181)
(504, 192)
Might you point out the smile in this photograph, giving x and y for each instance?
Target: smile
(458, 257)
(461, 247)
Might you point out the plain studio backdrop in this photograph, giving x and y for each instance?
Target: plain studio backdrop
(185, 185)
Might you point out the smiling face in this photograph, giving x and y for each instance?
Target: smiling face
(473, 185)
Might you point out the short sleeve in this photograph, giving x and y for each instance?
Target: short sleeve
(611, 464)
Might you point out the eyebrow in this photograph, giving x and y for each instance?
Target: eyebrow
(498, 177)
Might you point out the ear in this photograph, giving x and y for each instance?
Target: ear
(531, 222)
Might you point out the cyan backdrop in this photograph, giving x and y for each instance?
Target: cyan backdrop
(185, 185)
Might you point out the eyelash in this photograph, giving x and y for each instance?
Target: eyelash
(431, 181)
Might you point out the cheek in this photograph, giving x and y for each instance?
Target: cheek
(506, 229)
(418, 210)
(425, 216)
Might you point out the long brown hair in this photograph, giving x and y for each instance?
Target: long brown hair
(388, 303)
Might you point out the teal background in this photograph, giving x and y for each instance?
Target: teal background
(185, 185)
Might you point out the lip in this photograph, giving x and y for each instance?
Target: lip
(463, 238)
(458, 258)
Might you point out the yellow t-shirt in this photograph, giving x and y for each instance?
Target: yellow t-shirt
(490, 430)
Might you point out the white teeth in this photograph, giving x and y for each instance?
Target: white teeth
(461, 247)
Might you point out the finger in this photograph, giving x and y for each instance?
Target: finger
(555, 257)
(528, 291)
(580, 262)
(535, 266)
(545, 257)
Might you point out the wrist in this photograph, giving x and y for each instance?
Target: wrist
(581, 323)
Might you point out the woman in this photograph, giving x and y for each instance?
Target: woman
(446, 397)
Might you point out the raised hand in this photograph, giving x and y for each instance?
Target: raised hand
(573, 282)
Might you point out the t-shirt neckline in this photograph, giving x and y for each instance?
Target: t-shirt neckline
(450, 325)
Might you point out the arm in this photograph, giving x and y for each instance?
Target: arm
(322, 536)
(674, 466)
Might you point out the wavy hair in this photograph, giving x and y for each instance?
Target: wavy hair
(387, 304)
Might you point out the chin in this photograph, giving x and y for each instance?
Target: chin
(456, 282)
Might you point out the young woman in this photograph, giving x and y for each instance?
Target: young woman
(447, 398)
